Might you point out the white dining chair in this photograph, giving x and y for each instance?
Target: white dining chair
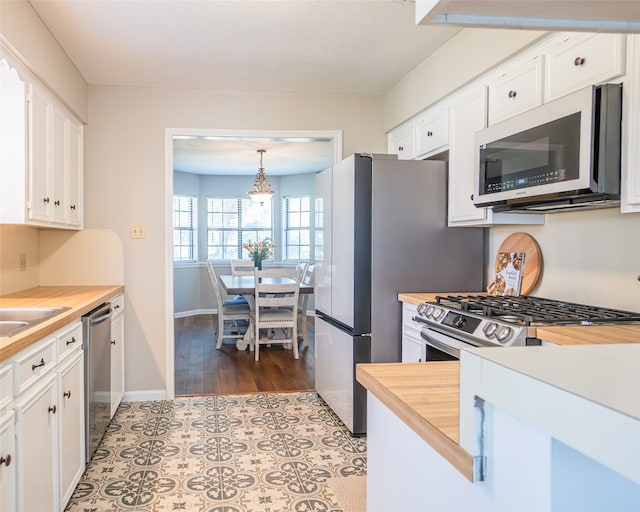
(242, 267)
(276, 307)
(228, 310)
(303, 301)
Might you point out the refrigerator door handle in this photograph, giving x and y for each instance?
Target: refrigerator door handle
(335, 323)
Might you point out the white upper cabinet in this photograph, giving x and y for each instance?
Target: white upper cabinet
(576, 60)
(467, 115)
(515, 88)
(431, 131)
(401, 141)
(42, 157)
(13, 131)
(630, 184)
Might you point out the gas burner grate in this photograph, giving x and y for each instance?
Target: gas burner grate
(530, 310)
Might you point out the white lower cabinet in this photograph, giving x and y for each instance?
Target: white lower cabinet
(37, 446)
(7, 461)
(71, 410)
(46, 422)
(411, 340)
(117, 353)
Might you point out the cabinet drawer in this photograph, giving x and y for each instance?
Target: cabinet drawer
(515, 89)
(6, 387)
(117, 305)
(34, 364)
(432, 131)
(69, 340)
(579, 60)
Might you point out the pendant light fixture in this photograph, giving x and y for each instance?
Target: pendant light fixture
(261, 187)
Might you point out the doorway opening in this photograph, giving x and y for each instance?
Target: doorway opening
(226, 159)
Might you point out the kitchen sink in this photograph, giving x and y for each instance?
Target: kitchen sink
(14, 320)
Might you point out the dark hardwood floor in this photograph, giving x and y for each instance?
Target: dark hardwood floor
(200, 369)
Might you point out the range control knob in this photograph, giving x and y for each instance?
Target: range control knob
(437, 313)
(504, 333)
(490, 329)
(458, 321)
(422, 308)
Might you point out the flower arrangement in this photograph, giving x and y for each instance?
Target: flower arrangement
(259, 250)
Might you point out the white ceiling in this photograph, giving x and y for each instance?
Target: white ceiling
(341, 46)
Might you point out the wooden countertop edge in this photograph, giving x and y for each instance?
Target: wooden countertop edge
(445, 446)
(11, 346)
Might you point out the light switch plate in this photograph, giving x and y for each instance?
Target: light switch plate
(138, 231)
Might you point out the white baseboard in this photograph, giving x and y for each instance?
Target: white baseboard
(195, 312)
(144, 396)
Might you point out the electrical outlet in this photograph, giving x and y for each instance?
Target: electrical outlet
(22, 261)
(138, 231)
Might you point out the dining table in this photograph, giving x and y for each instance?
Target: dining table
(245, 285)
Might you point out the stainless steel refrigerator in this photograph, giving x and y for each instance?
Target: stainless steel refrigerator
(383, 230)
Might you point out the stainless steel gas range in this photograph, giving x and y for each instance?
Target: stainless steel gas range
(455, 322)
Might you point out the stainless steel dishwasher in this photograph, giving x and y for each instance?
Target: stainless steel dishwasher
(96, 331)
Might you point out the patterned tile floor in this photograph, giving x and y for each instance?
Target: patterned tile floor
(233, 453)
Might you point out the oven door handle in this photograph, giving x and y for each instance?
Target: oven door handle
(444, 343)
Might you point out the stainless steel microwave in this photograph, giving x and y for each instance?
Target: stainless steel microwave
(562, 155)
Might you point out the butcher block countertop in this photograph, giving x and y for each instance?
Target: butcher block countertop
(426, 398)
(80, 300)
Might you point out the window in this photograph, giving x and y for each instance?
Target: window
(232, 222)
(297, 231)
(184, 228)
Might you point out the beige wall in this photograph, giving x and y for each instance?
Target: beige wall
(22, 29)
(125, 180)
(591, 257)
(16, 240)
(464, 57)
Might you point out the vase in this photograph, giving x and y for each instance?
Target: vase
(258, 263)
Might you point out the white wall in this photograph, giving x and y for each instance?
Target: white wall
(125, 180)
(590, 257)
(16, 240)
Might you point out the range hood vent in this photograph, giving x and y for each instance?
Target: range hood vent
(557, 15)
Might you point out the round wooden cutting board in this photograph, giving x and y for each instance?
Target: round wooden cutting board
(524, 242)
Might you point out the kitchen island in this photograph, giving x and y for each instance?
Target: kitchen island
(540, 428)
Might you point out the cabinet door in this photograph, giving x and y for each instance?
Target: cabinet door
(59, 139)
(516, 88)
(467, 115)
(411, 339)
(37, 447)
(401, 142)
(7, 462)
(630, 186)
(39, 144)
(578, 60)
(432, 131)
(75, 173)
(72, 440)
(117, 362)
(13, 164)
